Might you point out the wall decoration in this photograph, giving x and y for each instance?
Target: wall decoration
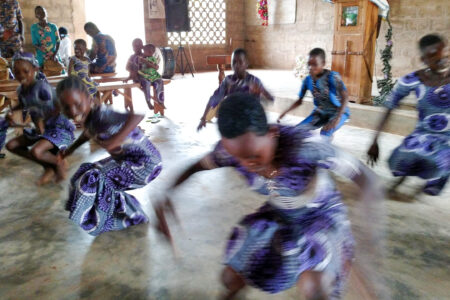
(385, 85)
(261, 8)
(279, 12)
(156, 9)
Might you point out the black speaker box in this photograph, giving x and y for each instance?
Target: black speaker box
(177, 15)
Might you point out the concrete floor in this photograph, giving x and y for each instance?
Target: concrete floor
(45, 256)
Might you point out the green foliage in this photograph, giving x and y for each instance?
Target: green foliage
(385, 85)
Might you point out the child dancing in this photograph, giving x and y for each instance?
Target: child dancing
(98, 201)
(424, 153)
(302, 235)
(53, 131)
(240, 82)
(329, 93)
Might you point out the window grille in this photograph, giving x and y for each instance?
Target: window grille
(208, 24)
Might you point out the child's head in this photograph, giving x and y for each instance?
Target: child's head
(40, 13)
(79, 47)
(138, 45)
(63, 32)
(25, 67)
(433, 51)
(245, 132)
(149, 50)
(239, 62)
(316, 61)
(91, 29)
(74, 98)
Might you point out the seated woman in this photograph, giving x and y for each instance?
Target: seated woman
(45, 38)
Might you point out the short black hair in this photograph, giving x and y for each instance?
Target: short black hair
(149, 47)
(63, 31)
(428, 40)
(39, 6)
(80, 41)
(240, 51)
(71, 83)
(241, 113)
(318, 52)
(90, 25)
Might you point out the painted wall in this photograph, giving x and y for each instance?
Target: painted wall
(277, 46)
(67, 13)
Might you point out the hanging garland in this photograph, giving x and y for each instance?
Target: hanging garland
(261, 8)
(385, 85)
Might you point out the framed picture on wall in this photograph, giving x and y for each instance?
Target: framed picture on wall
(156, 9)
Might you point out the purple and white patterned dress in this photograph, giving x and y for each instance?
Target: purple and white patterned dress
(426, 151)
(3, 129)
(39, 101)
(98, 201)
(303, 226)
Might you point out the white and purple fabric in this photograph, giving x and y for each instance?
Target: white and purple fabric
(98, 201)
(303, 225)
(426, 151)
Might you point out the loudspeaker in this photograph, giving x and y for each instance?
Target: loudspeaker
(177, 15)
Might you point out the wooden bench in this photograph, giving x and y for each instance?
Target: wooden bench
(221, 61)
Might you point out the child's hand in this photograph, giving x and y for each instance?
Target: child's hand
(332, 124)
(373, 154)
(202, 124)
(281, 117)
(254, 89)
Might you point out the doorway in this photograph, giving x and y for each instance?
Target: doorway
(122, 20)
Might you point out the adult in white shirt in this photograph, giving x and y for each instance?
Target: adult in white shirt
(65, 47)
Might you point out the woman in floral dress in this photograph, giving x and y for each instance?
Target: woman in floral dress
(45, 37)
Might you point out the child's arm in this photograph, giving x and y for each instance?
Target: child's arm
(296, 103)
(117, 139)
(215, 99)
(83, 138)
(162, 207)
(343, 98)
(399, 92)
(149, 64)
(71, 63)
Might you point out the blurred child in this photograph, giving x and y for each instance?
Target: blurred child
(79, 66)
(65, 47)
(53, 132)
(301, 236)
(329, 93)
(148, 71)
(241, 81)
(424, 153)
(98, 201)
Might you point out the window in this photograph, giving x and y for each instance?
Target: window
(208, 24)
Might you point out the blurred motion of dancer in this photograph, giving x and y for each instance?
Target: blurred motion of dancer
(424, 153)
(330, 96)
(301, 235)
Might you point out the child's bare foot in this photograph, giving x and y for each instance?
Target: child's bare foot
(47, 177)
(61, 171)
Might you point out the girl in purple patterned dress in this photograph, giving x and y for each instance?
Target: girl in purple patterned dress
(302, 235)
(53, 131)
(425, 152)
(79, 66)
(98, 201)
